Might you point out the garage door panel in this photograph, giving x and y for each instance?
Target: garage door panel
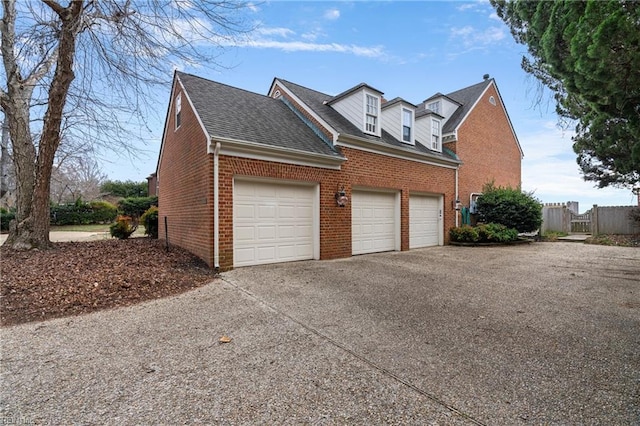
(424, 223)
(273, 222)
(245, 211)
(374, 224)
(245, 233)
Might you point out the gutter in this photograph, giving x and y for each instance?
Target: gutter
(216, 207)
(457, 198)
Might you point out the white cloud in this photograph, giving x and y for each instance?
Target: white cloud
(495, 17)
(313, 35)
(280, 38)
(302, 46)
(275, 31)
(332, 14)
(465, 6)
(473, 38)
(549, 169)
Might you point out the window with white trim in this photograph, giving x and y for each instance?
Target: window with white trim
(178, 110)
(434, 106)
(435, 135)
(407, 120)
(371, 115)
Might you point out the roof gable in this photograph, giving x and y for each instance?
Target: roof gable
(318, 103)
(469, 98)
(236, 114)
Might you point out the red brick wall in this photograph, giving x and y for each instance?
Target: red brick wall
(185, 177)
(362, 169)
(488, 149)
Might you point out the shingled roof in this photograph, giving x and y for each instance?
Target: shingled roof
(319, 103)
(466, 97)
(232, 113)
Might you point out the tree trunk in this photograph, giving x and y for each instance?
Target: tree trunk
(33, 170)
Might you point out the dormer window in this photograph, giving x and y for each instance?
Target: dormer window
(434, 106)
(371, 115)
(178, 109)
(435, 135)
(407, 125)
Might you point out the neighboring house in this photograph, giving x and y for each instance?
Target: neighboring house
(246, 179)
(152, 184)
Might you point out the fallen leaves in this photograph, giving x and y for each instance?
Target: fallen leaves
(80, 277)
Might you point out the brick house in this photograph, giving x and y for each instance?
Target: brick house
(246, 179)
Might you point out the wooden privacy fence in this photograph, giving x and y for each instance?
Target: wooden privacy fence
(559, 217)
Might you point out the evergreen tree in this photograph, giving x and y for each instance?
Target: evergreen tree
(588, 54)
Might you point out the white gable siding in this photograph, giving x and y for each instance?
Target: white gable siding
(423, 130)
(392, 120)
(448, 108)
(352, 108)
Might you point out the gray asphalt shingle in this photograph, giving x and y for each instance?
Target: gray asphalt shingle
(317, 101)
(229, 112)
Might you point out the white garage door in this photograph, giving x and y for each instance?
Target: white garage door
(424, 212)
(374, 222)
(272, 222)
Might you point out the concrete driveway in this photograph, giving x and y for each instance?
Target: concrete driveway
(547, 333)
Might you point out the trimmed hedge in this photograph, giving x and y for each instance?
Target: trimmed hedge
(485, 233)
(136, 206)
(82, 213)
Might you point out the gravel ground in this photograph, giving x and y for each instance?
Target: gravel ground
(547, 333)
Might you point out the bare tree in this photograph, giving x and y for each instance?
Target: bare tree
(7, 181)
(86, 70)
(78, 177)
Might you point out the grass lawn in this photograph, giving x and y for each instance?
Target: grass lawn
(93, 228)
(82, 228)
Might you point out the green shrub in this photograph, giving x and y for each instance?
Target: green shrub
(122, 228)
(81, 213)
(509, 207)
(125, 189)
(150, 221)
(102, 212)
(464, 234)
(70, 214)
(484, 233)
(6, 217)
(136, 206)
(495, 232)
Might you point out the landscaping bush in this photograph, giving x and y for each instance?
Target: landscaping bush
(81, 213)
(6, 217)
(484, 233)
(464, 234)
(509, 207)
(122, 228)
(150, 221)
(495, 232)
(102, 212)
(78, 213)
(136, 206)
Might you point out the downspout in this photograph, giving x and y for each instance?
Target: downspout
(457, 196)
(216, 207)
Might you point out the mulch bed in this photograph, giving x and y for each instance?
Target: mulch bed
(75, 278)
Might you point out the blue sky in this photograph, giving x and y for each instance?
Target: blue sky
(407, 49)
